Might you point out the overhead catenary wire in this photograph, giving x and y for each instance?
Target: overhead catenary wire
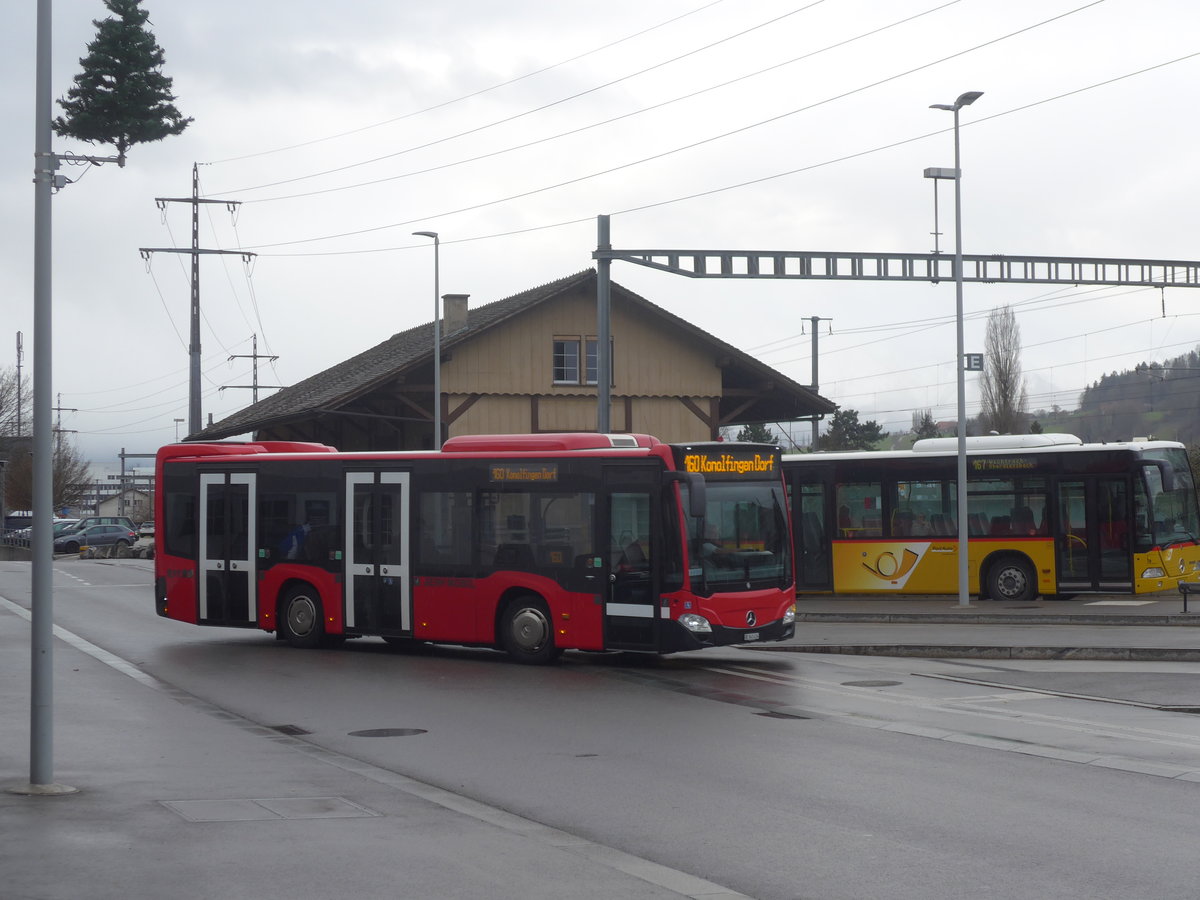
(592, 125)
(259, 247)
(445, 103)
(542, 108)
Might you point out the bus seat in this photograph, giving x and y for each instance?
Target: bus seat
(977, 523)
(902, 523)
(634, 556)
(513, 556)
(1022, 521)
(1001, 525)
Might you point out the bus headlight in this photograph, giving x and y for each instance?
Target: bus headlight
(1154, 572)
(695, 624)
(789, 615)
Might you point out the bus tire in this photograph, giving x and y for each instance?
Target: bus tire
(301, 620)
(526, 630)
(1012, 578)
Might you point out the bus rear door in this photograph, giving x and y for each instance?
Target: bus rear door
(227, 583)
(378, 594)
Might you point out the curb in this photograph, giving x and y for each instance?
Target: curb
(1180, 619)
(971, 651)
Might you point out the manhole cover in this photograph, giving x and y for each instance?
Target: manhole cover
(870, 683)
(387, 732)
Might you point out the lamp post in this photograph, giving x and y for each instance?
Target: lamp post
(960, 361)
(437, 343)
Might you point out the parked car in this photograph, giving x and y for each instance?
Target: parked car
(146, 529)
(63, 525)
(95, 536)
(88, 521)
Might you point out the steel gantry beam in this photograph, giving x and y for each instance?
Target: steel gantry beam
(934, 267)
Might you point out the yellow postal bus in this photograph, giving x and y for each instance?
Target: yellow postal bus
(1046, 513)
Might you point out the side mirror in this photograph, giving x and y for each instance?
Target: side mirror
(697, 495)
(697, 492)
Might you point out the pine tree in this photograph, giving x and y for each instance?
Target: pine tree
(757, 434)
(121, 97)
(847, 433)
(924, 425)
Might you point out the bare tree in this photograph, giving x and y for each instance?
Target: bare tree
(1002, 386)
(15, 411)
(71, 476)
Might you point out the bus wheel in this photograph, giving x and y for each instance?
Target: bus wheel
(1012, 578)
(526, 632)
(300, 618)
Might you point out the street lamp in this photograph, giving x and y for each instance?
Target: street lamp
(437, 343)
(960, 361)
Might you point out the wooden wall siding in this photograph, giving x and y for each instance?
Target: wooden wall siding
(647, 360)
(668, 419)
(664, 417)
(495, 415)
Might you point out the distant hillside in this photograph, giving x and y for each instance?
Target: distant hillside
(1160, 400)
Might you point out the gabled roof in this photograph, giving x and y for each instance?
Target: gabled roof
(407, 350)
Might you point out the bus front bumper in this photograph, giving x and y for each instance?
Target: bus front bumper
(676, 638)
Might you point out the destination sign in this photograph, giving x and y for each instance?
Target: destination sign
(1002, 464)
(731, 463)
(524, 473)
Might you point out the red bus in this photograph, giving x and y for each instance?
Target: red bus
(532, 544)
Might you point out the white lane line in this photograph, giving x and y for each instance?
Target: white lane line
(675, 880)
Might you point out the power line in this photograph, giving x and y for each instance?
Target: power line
(469, 96)
(590, 126)
(537, 109)
(696, 195)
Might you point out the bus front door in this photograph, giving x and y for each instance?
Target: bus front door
(227, 582)
(1092, 537)
(378, 598)
(631, 609)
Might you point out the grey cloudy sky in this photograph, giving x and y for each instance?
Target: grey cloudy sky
(507, 128)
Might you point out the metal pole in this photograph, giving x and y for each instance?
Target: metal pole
(41, 731)
(816, 421)
(603, 329)
(195, 417)
(437, 339)
(964, 598)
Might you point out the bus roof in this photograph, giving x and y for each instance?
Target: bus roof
(989, 444)
(468, 445)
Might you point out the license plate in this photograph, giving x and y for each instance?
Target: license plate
(752, 636)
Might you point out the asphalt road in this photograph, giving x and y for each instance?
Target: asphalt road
(769, 774)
